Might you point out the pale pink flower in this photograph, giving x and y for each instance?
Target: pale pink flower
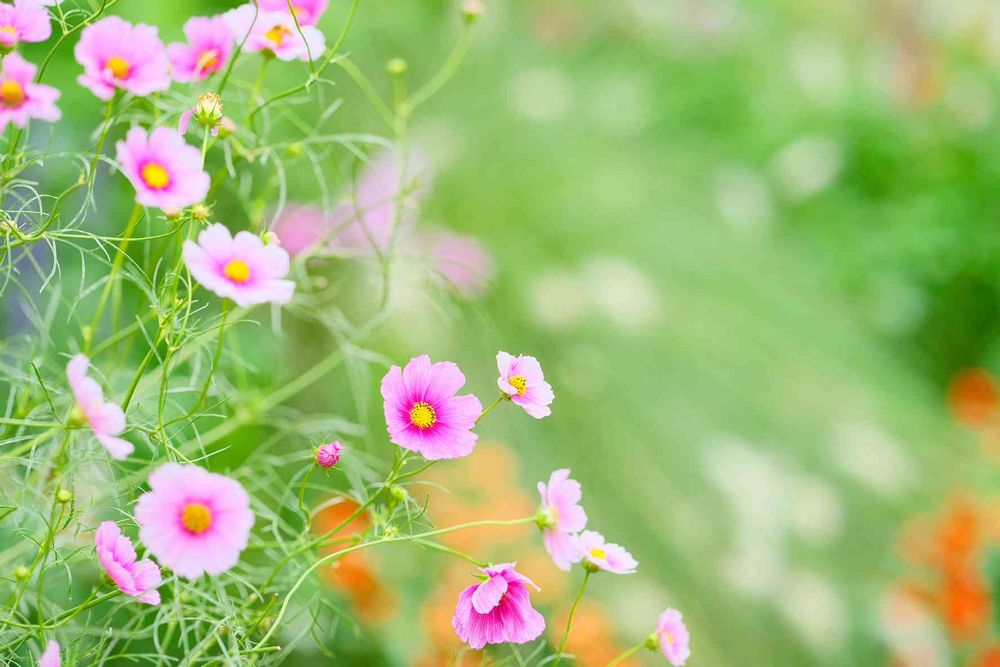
(308, 12)
(116, 54)
(601, 555)
(137, 579)
(51, 657)
(239, 267)
(23, 21)
(422, 412)
(328, 455)
(165, 171)
(561, 517)
(210, 44)
(21, 98)
(522, 380)
(461, 260)
(498, 611)
(106, 419)
(194, 521)
(673, 637)
(274, 33)
(301, 227)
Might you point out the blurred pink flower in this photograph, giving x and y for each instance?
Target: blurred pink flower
(561, 517)
(51, 657)
(607, 556)
(673, 636)
(210, 44)
(239, 267)
(194, 521)
(274, 33)
(137, 579)
(106, 419)
(498, 611)
(308, 12)
(165, 171)
(301, 227)
(328, 455)
(23, 21)
(422, 412)
(116, 54)
(522, 380)
(461, 260)
(21, 98)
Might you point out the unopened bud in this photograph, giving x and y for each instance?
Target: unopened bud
(200, 212)
(328, 455)
(472, 10)
(64, 496)
(271, 238)
(295, 149)
(21, 572)
(397, 67)
(208, 110)
(226, 127)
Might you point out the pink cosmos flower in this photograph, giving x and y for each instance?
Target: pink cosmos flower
(165, 171)
(274, 33)
(116, 54)
(461, 260)
(422, 412)
(210, 44)
(498, 610)
(21, 98)
(561, 518)
(194, 521)
(522, 380)
(239, 267)
(137, 579)
(673, 636)
(106, 419)
(601, 555)
(23, 21)
(308, 12)
(328, 455)
(51, 657)
(300, 227)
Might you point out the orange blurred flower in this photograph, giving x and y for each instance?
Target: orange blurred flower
(592, 640)
(973, 397)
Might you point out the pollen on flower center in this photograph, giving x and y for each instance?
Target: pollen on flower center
(119, 67)
(422, 415)
(12, 93)
(207, 60)
(277, 34)
(669, 636)
(8, 33)
(196, 517)
(237, 270)
(519, 383)
(599, 554)
(155, 176)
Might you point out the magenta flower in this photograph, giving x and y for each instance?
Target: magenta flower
(274, 33)
(194, 521)
(137, 579)
(51, 657)
(560, 517)
(522, 380)
(21, 98)
(23, 21)
(308, 12)
(328, 455)
(498, 610)
(106, 419)
(600, 555)
(422, 412)
(239, 267)
(116, 54)
(461, 260)
(210, 44)
(165, 171)
(673, 637)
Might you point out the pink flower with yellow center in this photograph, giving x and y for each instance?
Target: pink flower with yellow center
(135, 578)
(498, 610)
(51, 657)
(194, 521)
(241, 267)
(561, 517)
(597, 554)
(210, 44)
(23, 21)
(274, 33)
(106, 419)
(21, 98)
(522, 380)
(673, 637)
(308, 12)
(422, 412)
(165, 171)
(115, 54)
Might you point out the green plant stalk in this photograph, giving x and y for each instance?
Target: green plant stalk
(569, 621)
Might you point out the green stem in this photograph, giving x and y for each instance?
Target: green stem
(569, 621)
(627, 654)
(116, 266)
(492, 405)
(302, 493)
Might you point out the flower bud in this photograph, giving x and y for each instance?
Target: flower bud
(21, 572)
(226, 127)
(208, 110)
(64, 496)
(472, 10)
(328, 455)
(397, 67)
(270, 238)
(200, 212)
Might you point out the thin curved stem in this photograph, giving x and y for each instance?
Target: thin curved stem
(569, 621)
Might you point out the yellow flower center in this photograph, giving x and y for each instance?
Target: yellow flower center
(207, 60)
(669, 636)
(155, 176)
(197, 518)
(519, 383)
(237, 271)
(277, 34)
(9, 31)
(119, 67)
(12, 93)
(422, 415)
(599, 554)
